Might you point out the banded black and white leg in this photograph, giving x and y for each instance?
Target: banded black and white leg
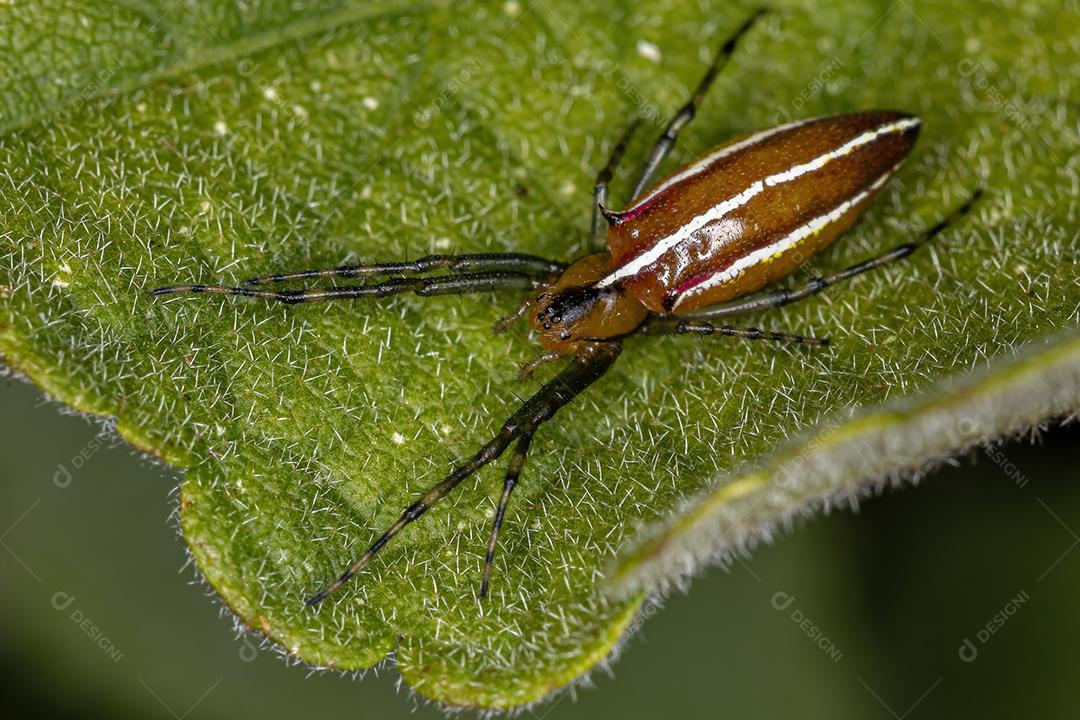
(818, 284)
(666, 141)
(457, 284)
(680, 326)
(513, 473)
(586, 368)
(469, 262)
(469, 273)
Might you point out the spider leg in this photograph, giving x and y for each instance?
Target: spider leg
(530, 367)
(675, 326)
(818, 284)
(440, 285)
(513, 472)
(519, 312)
(666, 141)
(600, 190)
(586, 368)
(513, 262)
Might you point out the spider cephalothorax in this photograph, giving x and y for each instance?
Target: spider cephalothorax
(576, 310)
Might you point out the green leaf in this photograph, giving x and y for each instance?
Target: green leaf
(159, 142)
(838, 462)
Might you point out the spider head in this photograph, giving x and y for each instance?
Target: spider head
(562, 313)
(576, 309)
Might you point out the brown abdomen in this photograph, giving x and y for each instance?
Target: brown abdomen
(753, 210)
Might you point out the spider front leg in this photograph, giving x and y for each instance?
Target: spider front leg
(458, 284)
(511, 262)
(587, 367)
(513, 472)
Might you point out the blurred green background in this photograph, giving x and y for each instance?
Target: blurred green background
(855, 615)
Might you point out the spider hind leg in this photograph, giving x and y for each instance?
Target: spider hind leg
(819, 284)
(666, 142)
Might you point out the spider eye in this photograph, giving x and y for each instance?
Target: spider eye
(564, 335)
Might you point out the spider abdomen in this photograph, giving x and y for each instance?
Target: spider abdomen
(753, 210)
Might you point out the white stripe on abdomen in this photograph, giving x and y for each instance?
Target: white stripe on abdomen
(702, 164)
(784, 244)
(663, 245)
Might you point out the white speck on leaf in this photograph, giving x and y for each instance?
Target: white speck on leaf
(649, 51)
